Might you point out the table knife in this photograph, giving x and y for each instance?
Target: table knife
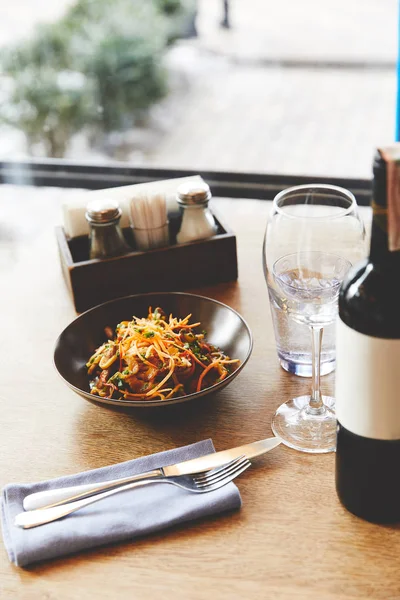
(54, 497)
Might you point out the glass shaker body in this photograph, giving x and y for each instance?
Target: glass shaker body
(105, 234)
(198, 222)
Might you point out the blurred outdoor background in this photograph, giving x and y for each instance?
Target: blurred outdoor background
(288, 87)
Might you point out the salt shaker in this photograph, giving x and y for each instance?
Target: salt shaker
(105, 237)
(198, 222)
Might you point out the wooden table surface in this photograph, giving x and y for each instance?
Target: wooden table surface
(291, 538)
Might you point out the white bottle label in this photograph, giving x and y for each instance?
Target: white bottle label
(367, 388)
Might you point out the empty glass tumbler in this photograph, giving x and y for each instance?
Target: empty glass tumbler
(324, 218)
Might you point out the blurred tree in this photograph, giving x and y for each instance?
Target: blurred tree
(99, 67)
(183, 23)
(49, 107)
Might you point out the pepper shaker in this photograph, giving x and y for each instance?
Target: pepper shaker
(105, 236)
(198, 222)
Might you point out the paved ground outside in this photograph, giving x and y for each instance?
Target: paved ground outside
(344, 31)
(292, 87)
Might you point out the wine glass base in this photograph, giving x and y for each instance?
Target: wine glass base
(294, 424)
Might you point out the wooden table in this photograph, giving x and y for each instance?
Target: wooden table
(291, 539)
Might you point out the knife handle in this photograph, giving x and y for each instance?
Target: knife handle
(55, 497)
(34, 518)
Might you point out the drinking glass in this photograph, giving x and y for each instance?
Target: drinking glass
(313, 235)
(321, 217)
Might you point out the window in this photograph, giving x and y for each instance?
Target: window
(293, 88)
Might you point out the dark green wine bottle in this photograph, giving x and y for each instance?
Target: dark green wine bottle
(368, 360)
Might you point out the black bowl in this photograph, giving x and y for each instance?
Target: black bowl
(224, 326)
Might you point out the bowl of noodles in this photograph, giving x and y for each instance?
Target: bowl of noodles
(153, 349)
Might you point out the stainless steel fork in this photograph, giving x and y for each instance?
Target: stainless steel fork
(199, 484)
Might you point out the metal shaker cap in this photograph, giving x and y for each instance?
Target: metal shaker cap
(191, 193)
(102, 210)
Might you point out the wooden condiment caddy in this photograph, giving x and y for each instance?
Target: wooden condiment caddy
(176, 267)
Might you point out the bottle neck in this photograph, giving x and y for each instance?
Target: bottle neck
(385, 185)
(380, 254)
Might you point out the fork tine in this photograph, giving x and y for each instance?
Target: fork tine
(224, 476)
(224, 480)
(204, 476)
(214, 475)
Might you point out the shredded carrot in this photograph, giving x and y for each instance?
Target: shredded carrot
(130, 395)
(153, 354)
(171, 370)
(120, 356)
(204, 373)
(186, 326)
(196, 359)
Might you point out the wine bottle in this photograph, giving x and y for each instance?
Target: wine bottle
(368, 360)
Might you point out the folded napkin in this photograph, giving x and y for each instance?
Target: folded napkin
(120, 517)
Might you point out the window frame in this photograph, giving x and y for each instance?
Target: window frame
(69, 174)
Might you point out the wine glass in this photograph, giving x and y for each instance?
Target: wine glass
(313, 235)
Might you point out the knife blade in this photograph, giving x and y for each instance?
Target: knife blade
(216, 459)
(54, 497)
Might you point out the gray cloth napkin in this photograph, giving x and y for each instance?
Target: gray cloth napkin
(121, 517)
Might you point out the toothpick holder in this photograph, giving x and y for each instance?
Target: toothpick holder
(154, 237)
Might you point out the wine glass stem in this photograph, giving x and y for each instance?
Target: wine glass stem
(316, 405)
